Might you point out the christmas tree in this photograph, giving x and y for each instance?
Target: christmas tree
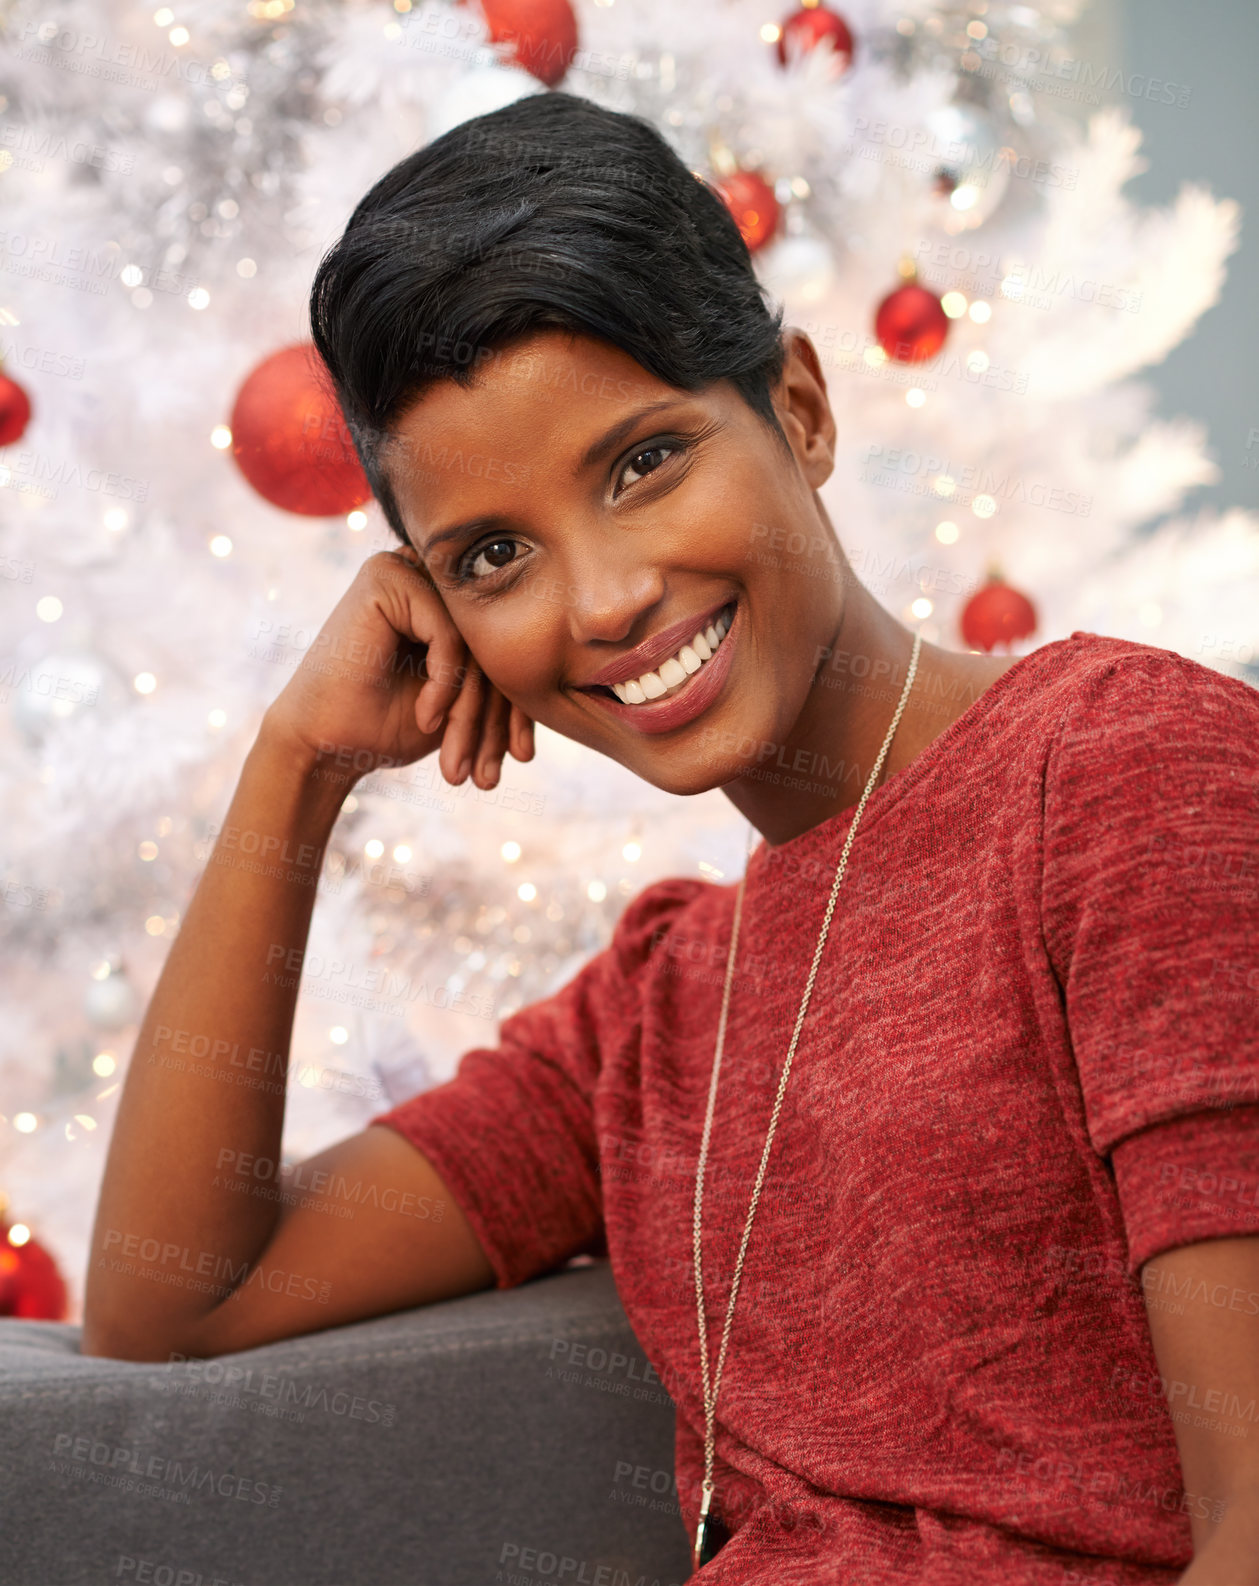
(934, 192)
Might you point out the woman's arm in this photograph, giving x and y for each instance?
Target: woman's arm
(1203, 1304)
(194, 1248)
(219, 1006)
(199, 1244)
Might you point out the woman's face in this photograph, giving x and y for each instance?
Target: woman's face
(614, 518)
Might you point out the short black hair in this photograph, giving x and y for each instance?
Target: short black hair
(552, 211)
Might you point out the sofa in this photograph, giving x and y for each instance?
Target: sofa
(507, 1438)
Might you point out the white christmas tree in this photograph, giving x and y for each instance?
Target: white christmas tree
(170, 178)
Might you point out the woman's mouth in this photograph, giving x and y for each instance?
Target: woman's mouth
(679, 688)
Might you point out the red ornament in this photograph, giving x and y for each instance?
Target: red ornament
(804, 30)
(911, 324)
(15, 411)
(544, 33)
(750, 199)
(290, 438)
(31, 1287)
(997, 614)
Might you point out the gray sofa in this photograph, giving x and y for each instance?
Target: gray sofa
(513, 1438)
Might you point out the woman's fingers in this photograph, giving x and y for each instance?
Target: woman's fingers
(445, 657)
(463, 725)
(521, 734)
(493, 745)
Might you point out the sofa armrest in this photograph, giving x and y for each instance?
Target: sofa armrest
(507, 1435)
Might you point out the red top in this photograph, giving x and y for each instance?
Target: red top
(1030, 1064)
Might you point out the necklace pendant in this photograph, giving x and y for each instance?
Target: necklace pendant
(710, 1537)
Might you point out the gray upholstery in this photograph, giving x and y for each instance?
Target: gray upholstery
(514, 1436)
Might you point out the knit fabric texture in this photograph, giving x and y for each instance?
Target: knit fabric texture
(1030, 1064)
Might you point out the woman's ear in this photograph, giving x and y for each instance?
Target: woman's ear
(803, 408)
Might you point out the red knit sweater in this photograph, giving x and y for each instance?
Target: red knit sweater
(1030, 1064)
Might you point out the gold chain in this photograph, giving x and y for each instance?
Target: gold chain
(710, 1398)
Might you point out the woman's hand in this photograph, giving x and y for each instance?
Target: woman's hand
(388, 678)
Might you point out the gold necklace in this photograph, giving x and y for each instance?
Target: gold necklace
(708, 1532)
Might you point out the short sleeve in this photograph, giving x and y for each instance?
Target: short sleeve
(1150, 913)
(513, 1133)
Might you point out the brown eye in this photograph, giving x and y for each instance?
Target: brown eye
(496, 554)
(661, 450)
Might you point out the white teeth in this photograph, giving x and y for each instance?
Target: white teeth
(671, 674)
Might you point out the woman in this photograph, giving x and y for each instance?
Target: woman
(981, 1282)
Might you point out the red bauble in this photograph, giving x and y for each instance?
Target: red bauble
(15, 411)
(544, 33)
(750, 199)
(290, 439)
(910, 324)
(804, 30)
(31, 1287)
(997, 614)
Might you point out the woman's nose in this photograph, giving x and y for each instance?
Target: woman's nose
(610, 601)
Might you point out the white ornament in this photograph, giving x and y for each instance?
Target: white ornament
(111, 1002)
(479, 92)
(167, 113)
(799, 270)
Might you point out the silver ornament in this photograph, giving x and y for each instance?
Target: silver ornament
(58, 687)
(970, 169)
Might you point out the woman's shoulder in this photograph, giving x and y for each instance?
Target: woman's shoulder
(1096, 688)
(667, 905)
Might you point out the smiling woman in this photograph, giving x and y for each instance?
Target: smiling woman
(572, 398)
(951, 1351)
